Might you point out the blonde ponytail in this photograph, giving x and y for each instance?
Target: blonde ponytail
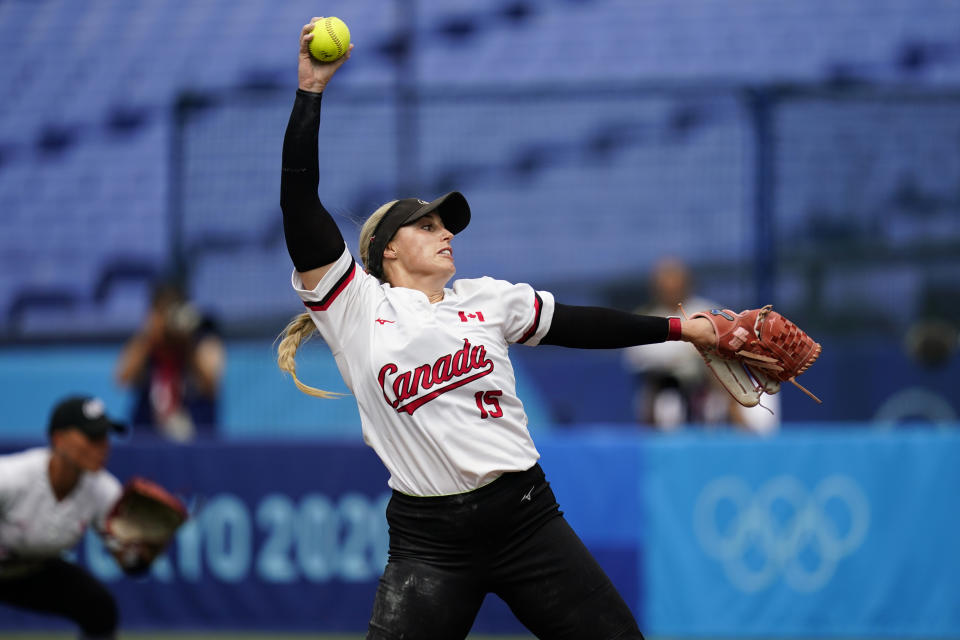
(300, 329)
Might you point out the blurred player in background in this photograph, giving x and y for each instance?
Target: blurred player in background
(673, 387)
(48, 498)
(471, 512)
(174, 364)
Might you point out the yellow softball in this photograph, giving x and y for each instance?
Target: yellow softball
(331, 39)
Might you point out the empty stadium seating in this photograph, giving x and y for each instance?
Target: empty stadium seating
(578, 173)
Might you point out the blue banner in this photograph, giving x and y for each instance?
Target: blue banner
(821, 533)
(817, 534)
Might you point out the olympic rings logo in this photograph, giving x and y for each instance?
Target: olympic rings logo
(781, 529)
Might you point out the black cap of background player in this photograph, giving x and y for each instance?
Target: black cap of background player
(86, 414)
(451, 207)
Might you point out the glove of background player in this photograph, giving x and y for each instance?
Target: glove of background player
(756, 350)
(142, 523)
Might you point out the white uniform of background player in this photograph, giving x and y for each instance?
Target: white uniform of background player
(398, 354)
(33, 523)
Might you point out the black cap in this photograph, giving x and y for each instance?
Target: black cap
(451, 207)
(86, 414)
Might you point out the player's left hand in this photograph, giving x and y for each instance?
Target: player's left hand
(753, 351)
(133, 557)
(699, 332)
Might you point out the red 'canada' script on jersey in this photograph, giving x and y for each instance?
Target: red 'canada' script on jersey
(410, 390)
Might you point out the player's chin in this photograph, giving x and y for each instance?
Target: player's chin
(96, 463)
(448, 266)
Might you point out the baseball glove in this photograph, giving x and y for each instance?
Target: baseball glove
(142, 523)
(756, 350)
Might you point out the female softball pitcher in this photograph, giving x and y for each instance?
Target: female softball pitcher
(471, 512)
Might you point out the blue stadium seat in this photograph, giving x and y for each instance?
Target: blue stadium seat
(86, 119)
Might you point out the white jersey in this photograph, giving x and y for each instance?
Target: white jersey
(32, 522)
(433, 382)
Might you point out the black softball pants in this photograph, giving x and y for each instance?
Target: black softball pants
(61, 588)
(508, 538)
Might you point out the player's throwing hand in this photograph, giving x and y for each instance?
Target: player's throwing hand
(313, 75)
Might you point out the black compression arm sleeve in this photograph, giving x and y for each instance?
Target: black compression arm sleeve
(313, 238)
(599, 328)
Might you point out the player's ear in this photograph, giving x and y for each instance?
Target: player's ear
(57, 438)
(60, 444)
